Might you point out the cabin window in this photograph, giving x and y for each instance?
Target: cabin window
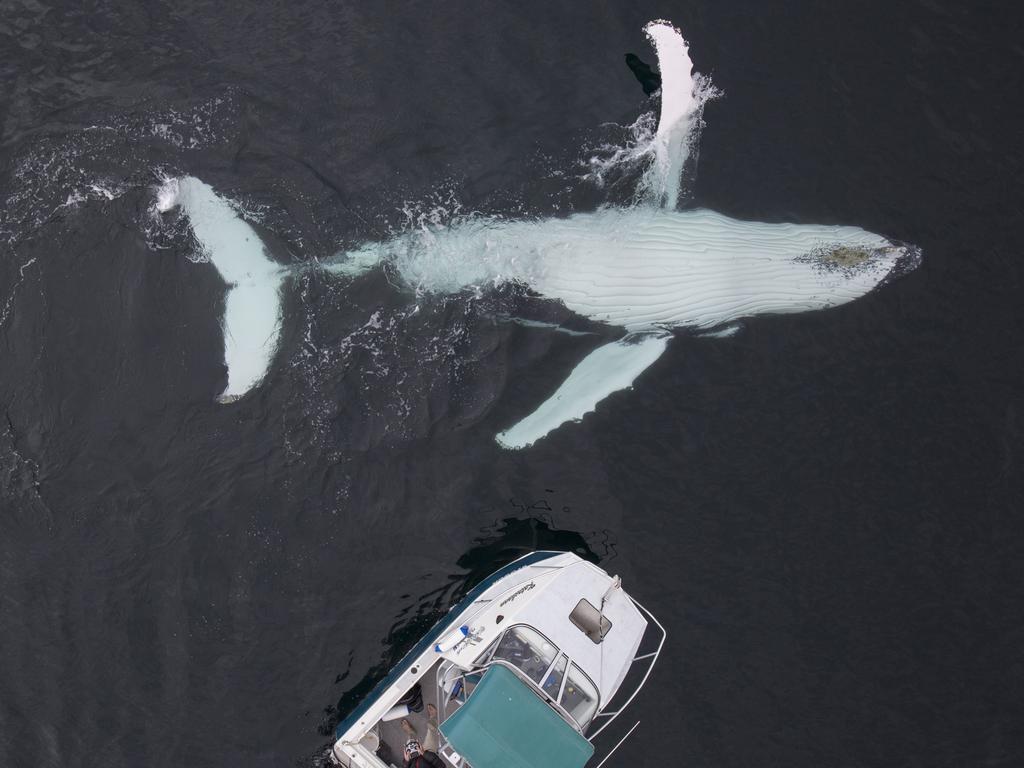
(553, 679)
(483, 657)
(590, 621)
(527, 649)
(580, 697)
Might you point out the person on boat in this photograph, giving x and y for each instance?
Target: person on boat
(422, 755)
(418, 757)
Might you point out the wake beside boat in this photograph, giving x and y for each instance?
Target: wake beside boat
(525, 672)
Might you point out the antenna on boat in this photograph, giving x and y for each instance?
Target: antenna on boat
(615, 584)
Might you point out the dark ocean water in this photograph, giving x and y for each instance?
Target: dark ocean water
(824, 510)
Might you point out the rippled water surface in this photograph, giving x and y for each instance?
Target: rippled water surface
(824, 509)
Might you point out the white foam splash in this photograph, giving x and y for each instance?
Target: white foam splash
(57, 173)
(167, 195)
(611, 162)
(9, 302)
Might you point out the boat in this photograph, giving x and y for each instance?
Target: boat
(526, 671)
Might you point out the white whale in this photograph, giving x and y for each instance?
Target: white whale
(646, 269)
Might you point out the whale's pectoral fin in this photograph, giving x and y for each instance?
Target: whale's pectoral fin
(252, 326)
(543, 324)
(722, 332)
(678, 103)
(607, 369)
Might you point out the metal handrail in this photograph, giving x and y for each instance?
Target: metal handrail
(650, 668)
(621, 742)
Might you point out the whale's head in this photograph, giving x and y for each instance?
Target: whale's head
(892, 260)
(864, 266)
(905, 258)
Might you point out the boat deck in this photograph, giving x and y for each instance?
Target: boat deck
(393, 738)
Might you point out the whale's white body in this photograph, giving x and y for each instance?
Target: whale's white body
(647, 269)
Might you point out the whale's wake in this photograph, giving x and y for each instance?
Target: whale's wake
(646, 269)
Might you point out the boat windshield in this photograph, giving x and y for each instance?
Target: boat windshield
(580, 697)
(553, 680)
(527, 649)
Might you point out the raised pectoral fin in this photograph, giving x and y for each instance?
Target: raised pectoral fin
(607, 369)
(678, 104)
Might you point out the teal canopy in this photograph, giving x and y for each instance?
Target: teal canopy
(504, 724)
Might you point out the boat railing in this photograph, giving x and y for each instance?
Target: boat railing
(651, 658)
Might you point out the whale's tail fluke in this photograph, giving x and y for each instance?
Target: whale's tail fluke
(252, 309)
